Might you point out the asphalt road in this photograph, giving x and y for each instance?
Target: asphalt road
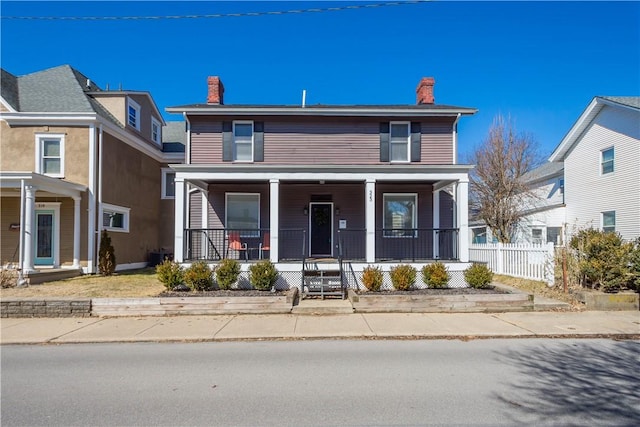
(308, 383)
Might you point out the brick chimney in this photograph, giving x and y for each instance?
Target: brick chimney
(424, 92)
(216, 90)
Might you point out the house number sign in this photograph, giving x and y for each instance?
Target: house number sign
(370, 196)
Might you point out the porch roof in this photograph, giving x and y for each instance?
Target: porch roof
(12, 180)
(253, 172)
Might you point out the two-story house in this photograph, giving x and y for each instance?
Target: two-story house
(76, 160)
(372, 184)
(601, 157)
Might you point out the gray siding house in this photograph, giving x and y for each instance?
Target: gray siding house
(364, 183)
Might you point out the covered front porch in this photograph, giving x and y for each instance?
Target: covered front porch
(41, 223)
(362, 214)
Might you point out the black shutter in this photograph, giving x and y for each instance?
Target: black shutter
(227, 141)
(384, 142)
(258, 141)
(415, 141)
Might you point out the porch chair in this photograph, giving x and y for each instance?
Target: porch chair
(265, 245)
(236, 245)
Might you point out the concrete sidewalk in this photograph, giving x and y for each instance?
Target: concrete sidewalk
(293, 326)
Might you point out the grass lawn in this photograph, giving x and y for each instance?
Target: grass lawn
(538, 288)
(129, 284)
(144, 283)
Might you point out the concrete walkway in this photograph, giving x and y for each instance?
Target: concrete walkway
(337, 326)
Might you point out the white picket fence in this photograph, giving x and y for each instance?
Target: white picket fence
(529, 261)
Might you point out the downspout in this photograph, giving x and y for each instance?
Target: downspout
(455, 139)
(91, 249)
(21, 280)
(99, 225)
(187, 151)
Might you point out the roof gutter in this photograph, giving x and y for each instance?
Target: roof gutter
(311, 111)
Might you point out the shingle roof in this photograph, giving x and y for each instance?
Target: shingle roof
(630, 101)
(9, 85)
(173, 137)
(53, 90)
(547, 169)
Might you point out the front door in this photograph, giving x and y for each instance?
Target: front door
(44, 236)
(321, 226)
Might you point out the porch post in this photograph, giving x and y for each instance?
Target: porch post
(274, 218)
(436, 224)
(463, 219)
(370, 219)
(204, 215)
(178, 239)
(29, 222)
(76, 232)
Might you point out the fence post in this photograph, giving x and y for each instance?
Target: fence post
(550, 264)
(499, 260)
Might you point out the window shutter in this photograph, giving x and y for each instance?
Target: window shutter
(258, 141)
(416, 135)
(227, 141)
(384, 142)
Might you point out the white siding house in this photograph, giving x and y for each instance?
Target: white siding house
(601, 156)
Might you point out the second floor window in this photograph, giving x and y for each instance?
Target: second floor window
(399, 145)
(133, 113)
(50, 155)
(156, 131)
(243, 141)
(607, 161)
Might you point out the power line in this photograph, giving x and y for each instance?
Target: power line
(216, 15)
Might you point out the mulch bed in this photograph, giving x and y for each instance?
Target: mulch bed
(431, 291)
(227, 293)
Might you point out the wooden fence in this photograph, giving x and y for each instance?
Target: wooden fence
(528, 261)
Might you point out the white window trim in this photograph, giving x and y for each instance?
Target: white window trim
(233, 130)
(136, 106)
(166, 171)
(602, 226)
(155, 122)
(115, 209)
(226, 204)
(613, 161)
(408, 124)
(415, 214)
(39, 138)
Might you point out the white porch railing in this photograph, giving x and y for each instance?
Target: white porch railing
(528, 261)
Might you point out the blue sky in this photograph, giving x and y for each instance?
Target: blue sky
(539, 62)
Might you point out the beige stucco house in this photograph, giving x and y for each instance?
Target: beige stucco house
(76, 160)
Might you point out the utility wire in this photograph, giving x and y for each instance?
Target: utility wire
(217, 15)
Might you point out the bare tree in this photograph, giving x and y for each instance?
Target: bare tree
(498, 192)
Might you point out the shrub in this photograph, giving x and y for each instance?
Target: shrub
(634, 266)
(478, 275)
(436, 275)
(604, 260)
(403, 277)
(227, 273)
(199, 276)
(170, 273)
(106, 255)
(8, 278)
(372, 278)
(263, 275)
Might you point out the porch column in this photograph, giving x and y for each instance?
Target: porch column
(178, 239)
(29, 228)
(76, 232)
(274, 218)
(204, 215)
(436, 224)
(463, 219)
(370, 219)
